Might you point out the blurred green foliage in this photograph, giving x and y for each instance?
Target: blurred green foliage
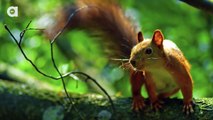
(191, 29)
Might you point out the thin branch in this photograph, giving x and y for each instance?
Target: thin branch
(68, 21)
(81, 73)
(102, 89)
(23, 32)
(205, 5)
(94, 81)
(63, 82)
(53, 60)
(24, 54)
(37, 69)
(52, 57)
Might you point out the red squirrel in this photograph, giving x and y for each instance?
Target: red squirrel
(164, 70)
(156, 63)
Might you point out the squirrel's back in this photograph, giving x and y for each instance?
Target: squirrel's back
(103, 19)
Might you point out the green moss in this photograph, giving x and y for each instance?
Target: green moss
(24, 89)
(25, 102)
(53, 113)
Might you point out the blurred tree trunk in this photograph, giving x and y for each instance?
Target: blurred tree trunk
(206, 5)
(24, 102)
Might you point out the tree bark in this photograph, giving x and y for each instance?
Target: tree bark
(21, 101)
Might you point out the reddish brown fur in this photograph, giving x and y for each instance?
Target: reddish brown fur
(103, 19)
(137, 80)
(172, 60)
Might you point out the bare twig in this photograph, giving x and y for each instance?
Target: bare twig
(81, 73)
(53, 60)
(94, 81)
(68, 21)
(24, 54)
(28, 59)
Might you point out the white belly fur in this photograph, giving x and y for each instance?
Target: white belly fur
(163, 80)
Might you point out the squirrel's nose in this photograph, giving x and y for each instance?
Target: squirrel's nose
(133, 62)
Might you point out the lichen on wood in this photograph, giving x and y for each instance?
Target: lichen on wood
(20, 101)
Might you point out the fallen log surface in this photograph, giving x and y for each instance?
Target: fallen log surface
(23, 102)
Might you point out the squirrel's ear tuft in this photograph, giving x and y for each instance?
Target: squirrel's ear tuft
(140, 36)
(158, 38)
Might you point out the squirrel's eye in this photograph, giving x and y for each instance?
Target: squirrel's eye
(148, 51)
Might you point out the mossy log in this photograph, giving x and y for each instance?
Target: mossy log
(23, 102)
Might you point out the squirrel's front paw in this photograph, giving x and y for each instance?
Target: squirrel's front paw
(157, 105)
(188, 108)
(138, 103)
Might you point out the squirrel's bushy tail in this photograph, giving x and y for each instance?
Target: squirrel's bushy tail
(103, 19)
